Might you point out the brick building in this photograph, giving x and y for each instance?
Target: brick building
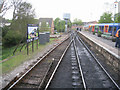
(48, 21)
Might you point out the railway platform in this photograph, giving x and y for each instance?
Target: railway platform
(106, 48)
(108, 45)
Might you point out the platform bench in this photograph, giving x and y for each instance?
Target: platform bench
(106, 35)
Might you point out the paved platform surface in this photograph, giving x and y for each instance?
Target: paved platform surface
(105, 43)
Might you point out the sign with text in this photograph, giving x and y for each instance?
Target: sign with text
(32, 32)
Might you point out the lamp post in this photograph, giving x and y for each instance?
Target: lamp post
(114, 19)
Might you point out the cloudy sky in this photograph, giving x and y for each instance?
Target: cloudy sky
(86, 10)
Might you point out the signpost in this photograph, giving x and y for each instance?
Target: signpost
(32, 34)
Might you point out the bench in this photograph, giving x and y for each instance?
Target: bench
(107, 36)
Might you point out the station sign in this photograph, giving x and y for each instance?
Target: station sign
(32, 32)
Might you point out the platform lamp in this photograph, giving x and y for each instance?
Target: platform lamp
(114, 19)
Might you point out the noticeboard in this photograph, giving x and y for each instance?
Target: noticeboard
(32, 32)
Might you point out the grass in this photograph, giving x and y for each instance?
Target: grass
(7, 52)
(18, 59)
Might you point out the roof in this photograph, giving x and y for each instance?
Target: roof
(49, 20)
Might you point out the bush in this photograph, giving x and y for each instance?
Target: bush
(5, 29)
(99, 33)
(11, 38)
(94, 33)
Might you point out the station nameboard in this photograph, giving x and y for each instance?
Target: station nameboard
(32, 32)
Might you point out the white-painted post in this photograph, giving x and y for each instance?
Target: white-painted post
(66, 28)
(119, 7)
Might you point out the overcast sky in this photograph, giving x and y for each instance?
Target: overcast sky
(86, 10)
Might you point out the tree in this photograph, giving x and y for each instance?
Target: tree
(4, 6)
(24, 14)
(7, 4)
(11, 38)
(77, 21)
(117, 18)
(5, 29)
(69, 24)
(59, 25)
(56, 23)
(62, 26)
(1, 5)
(106, 18)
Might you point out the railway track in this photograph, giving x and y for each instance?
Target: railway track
(72, 76)
(99, 78)
(71, 65)
(85, 70)
(34, 77)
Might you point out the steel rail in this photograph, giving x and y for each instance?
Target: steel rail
(80, 68)
(48, 83)
(81, 41)
(10, 87)
(40, 85)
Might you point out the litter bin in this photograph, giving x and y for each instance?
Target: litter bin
(42, 38)
(47, 36)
